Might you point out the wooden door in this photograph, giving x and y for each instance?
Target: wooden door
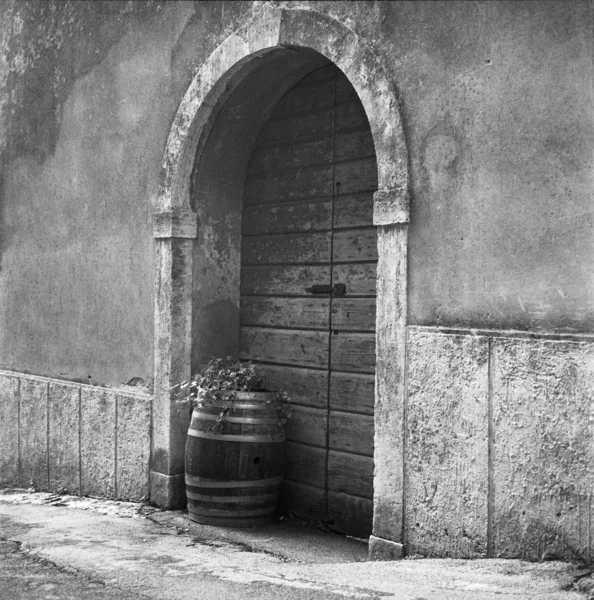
(307, 221)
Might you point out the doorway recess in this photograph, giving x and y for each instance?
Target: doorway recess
(309, 255)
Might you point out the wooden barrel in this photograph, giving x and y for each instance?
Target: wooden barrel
(234, 465)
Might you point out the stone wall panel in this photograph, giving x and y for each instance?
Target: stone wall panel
(64, 443)
(33, 433)
(446, 445)
(9, 438)
(64, 436)
(543, 447)
(98, 414)
(133, 447)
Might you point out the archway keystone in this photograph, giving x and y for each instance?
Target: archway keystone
(175, 227)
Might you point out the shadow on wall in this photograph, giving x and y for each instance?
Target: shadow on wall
(216, 194)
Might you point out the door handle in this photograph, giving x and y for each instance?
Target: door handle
(338, 289)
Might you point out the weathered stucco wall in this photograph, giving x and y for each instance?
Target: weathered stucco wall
(497, 109)
(86, 107)
(499, 445)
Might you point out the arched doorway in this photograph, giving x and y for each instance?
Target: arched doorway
(197, 269)
(308, 272)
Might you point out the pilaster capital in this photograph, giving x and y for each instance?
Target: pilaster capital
(391, 207)
(175, 224)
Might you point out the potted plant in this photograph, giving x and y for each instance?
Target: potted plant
(234, 458)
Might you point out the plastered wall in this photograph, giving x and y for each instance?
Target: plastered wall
(497, 110)
(85, 100)
(496, 100)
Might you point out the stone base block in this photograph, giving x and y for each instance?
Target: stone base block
(380, 549)
(168, 491)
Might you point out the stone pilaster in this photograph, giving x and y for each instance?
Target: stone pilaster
(174, 232)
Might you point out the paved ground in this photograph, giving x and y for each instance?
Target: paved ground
(23, 576)
(61, 547)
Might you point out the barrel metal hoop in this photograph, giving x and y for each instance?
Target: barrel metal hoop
(242, 406)
(256, 512)
(279, 437)
(246, 420)
(229, 521)
(213, 483)
(257, 499)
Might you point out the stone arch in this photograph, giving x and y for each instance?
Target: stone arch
(239, 54)
(271, 30)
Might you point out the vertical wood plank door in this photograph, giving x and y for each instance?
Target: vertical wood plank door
(307, 222)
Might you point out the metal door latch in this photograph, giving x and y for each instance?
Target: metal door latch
(338, 289)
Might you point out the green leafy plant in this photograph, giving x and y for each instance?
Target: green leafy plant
(218, 383)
